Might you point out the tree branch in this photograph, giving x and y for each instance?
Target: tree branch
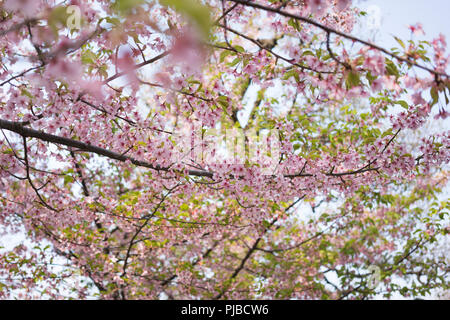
(342, 34)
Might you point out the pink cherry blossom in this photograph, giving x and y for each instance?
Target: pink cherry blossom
(224, 150)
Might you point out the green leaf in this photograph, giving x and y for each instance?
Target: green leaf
(400, 42)
(114, 21)
(370, 77)
(68, 179)
(125, 6)
(353, 80)
(234, 62)
(391, 68)
(434, 95)
(291, 73)
(57, 17)
(184, 207)
(193, 10)
(223, 101)
(224, 54)
(266, 224)
(294, 24)
(239, 48)
(88, 57)
(403, 104)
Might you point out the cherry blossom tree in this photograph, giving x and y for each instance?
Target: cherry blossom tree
(105, 113)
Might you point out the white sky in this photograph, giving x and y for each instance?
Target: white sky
(396, 15)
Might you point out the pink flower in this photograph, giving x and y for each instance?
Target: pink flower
(93, 88)
(377, 84)
(416, 29)
(63, 69)
(163, 78)
(179, 83)
(379, 143)
(317, 7)
(126, 61)
(343, 4)
(391, 83)
(417, 98)
(375, 64)
(443, 114)
(28, 8)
